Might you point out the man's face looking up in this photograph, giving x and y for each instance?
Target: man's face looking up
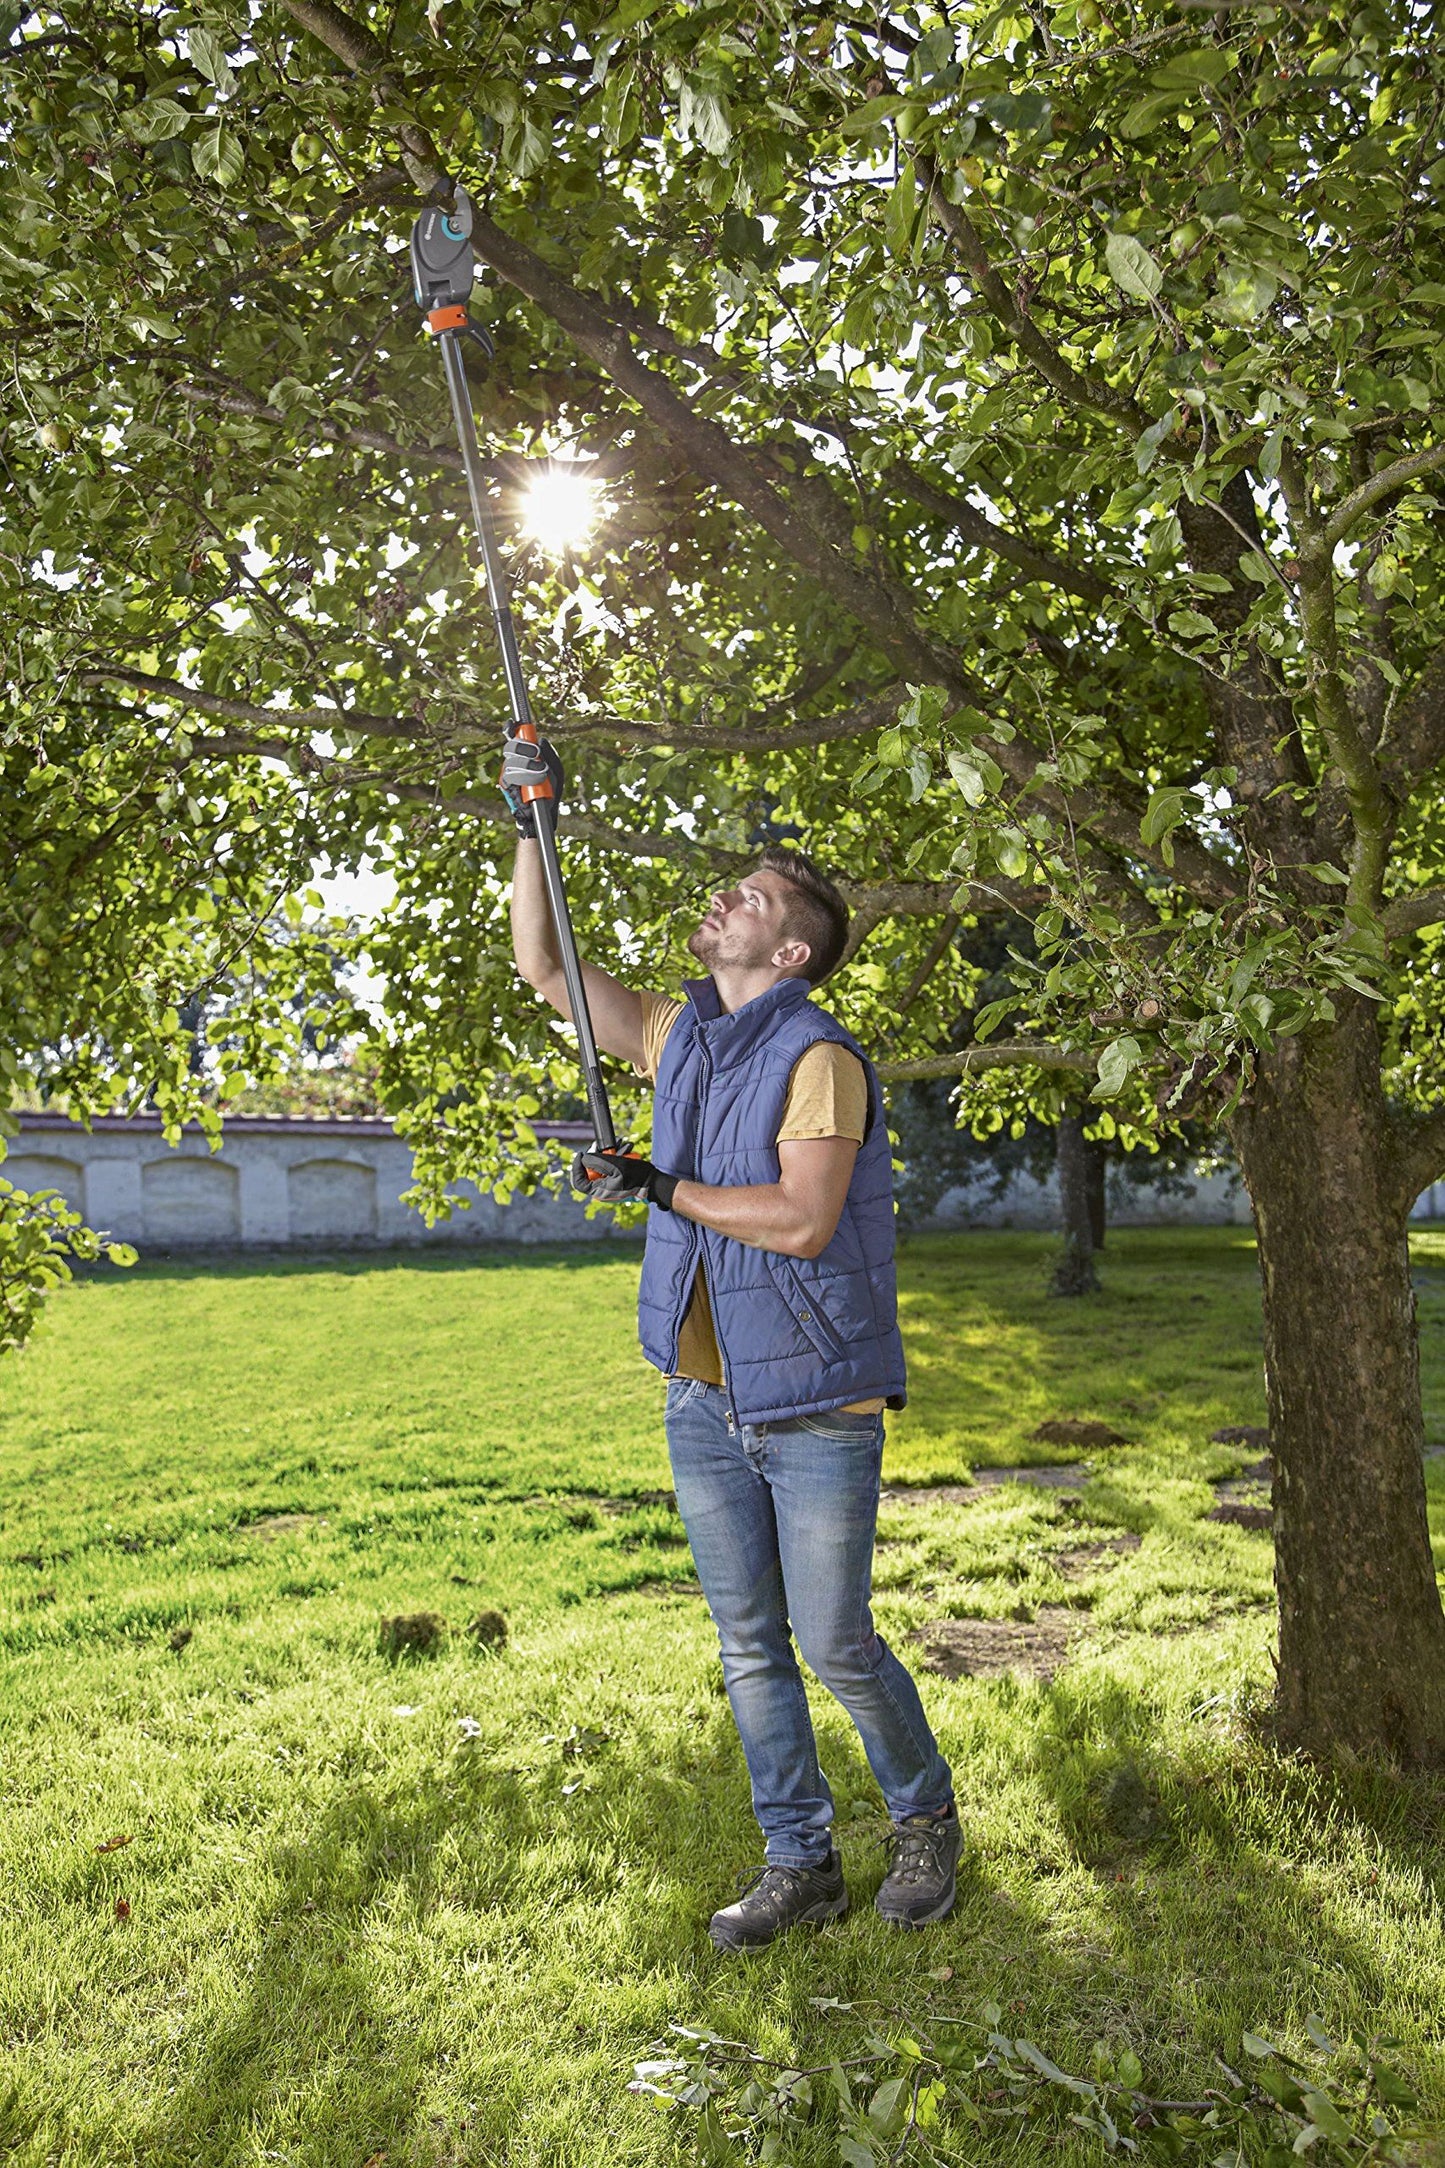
(743, 930)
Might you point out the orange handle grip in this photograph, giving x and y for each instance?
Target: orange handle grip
(531, 792)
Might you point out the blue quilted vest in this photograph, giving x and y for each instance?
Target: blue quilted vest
(798, 1335)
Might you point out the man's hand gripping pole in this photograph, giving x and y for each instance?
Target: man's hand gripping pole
(443, 268)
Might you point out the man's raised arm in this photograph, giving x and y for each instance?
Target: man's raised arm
(616, 1009)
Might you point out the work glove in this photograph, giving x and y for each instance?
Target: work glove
(621, 1177)
(523, 764)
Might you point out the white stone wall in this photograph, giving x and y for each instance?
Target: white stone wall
(1217, 1201)
(332, 1182)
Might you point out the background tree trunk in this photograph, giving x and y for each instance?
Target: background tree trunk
(1096, 1164)
(1074, 1273)
(1361, 1631)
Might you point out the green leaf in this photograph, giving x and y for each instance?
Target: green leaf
(1129, 2069)
(209, 55)
(985, 1021)
(869, 116)
(1392, 2087)
(888, 2106)
(902, 213)
(1246, 291)
(1197, 70)
(155, 121)
(1147, 448)
(621, 107)
(1279, 2085)
(703, 117)
(1145, 113)
(1164, 811)
(217, 156)
(856, 2152)
(151, 326)
(1131, 266)
(525, 147)
(975, 773)
(1117, 1062)
(1026, 2048)
(628, 16)
(1322, 2111)
(1191, 625)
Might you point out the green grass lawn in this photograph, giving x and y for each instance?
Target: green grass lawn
(433, 1910)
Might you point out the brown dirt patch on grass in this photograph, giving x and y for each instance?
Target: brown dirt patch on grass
(272, 1525)
(989, 1648)
(1067, 1475)
(1082, 1433)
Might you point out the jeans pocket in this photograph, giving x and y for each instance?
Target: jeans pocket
(681, 1390)
(843, 1427)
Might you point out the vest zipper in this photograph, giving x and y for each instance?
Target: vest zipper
(706, 1053)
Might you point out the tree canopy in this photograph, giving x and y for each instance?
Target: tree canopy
(1017, 430)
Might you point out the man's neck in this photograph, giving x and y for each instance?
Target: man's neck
(735, 989)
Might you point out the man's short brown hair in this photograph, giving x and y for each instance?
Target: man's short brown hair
(816, 913)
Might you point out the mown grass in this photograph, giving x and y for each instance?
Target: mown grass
(431, 1910)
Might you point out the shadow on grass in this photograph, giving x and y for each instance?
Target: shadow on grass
(313, 2057)
(1230, 1864)
(1196, 1867)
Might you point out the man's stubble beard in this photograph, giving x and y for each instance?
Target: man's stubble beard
(711, 946)
(700, 943)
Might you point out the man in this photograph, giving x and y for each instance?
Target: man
(768, 1302)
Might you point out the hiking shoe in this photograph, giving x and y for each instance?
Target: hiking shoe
(778, 1898)
(922, 1879)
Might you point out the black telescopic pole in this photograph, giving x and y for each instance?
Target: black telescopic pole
(442, 262)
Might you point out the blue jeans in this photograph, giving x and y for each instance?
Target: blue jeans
(781, 1520)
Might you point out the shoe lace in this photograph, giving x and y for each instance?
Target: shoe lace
(915, 1850)
(768, 1881)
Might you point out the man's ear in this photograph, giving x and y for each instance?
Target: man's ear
(792, 955)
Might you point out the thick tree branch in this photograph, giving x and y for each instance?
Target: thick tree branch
(1420, 1153)
(1411, 914)
(248, 711)
(762, 735)
(1413, 739)
(976, 528)
(441, 457)
(1384, 483)
(1007, 1054)
(1090, 393)
(980, 532)
(1339, 725)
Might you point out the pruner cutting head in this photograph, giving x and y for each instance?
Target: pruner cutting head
(441, 254)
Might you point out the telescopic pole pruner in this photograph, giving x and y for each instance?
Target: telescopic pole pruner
(443, 268)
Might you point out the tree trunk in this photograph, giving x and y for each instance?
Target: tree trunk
(1361, 1631)
(1096, 1162)
(1074, 1273)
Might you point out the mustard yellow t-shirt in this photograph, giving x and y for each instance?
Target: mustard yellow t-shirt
(827, 1097)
